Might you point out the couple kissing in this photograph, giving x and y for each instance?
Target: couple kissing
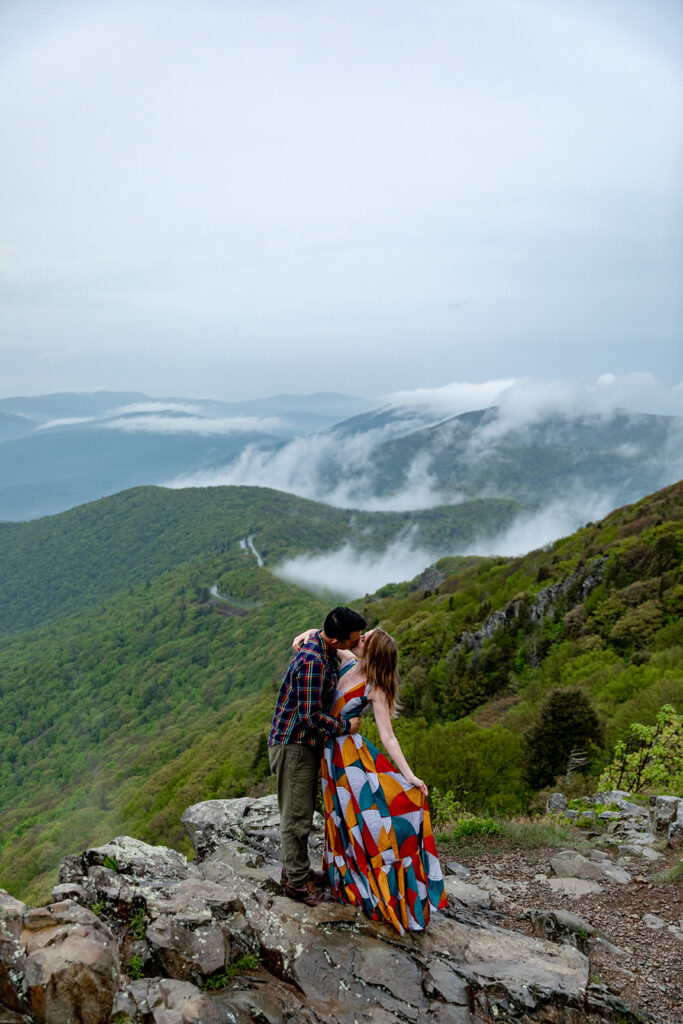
(379, 851)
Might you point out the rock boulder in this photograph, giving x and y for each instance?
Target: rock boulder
(70, 964)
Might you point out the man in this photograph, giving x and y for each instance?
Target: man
(301, 724)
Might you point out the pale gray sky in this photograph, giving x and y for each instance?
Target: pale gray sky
(231, 199)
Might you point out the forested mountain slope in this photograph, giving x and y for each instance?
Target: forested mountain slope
(598, 613)
(117, 718)
(64, 563)
(625, 456)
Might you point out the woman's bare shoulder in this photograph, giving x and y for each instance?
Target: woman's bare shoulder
(376, 695)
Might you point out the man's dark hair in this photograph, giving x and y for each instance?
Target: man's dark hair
(342, 622)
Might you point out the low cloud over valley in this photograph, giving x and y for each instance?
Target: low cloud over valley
(396, 462)
(573, 452)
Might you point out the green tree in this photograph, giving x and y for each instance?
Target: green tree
(649, 756)
(567, 721)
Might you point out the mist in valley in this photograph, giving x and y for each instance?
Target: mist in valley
(351, 571)
(340, 467)
(521, 407)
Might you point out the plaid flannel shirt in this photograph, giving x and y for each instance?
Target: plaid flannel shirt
(303, 703)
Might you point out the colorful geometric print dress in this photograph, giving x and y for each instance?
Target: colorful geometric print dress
(379, 849)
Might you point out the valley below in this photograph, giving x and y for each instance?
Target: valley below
(144, 636)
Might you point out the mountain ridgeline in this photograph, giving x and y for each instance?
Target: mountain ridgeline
(60, 451)
(138, 691)
(62, 564)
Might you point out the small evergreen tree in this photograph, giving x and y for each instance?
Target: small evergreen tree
(567, 720)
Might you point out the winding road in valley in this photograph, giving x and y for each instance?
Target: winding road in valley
(249, 543)
(246, 544)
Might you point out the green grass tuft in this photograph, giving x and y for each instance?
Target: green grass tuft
(674, 874)
(232, 971)
(531, 832)
(519, 832)
(135, 968)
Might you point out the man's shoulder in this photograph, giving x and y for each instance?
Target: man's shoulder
(309, 652)
(313, 647)
(312, 652)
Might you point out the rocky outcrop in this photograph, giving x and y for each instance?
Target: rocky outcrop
(666, 815)
(631, 827)
(58, 963)
(570, 591)
(431, 578)
(570, 864)
(166, 1001)
(12, 990)
(138, 933)
(71, 966)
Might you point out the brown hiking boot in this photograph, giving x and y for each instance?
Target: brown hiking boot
(309, 894)
(319, 878)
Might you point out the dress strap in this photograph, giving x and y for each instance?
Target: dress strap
(347, 665)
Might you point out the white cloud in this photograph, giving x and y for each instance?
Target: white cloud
(530, 401)
(136, 407)
(294, 468)
(194, 425)
(528, 532)
(66, 422)
(523, 401)
(298, 468)
(419, 490)
(351, 573)
(454, 398)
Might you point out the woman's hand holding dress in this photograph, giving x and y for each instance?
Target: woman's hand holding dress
(389, 741)
(418, 783)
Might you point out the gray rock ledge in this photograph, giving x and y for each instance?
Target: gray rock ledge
(144, 934)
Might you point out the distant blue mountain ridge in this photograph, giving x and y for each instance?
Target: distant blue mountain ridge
(62, 450)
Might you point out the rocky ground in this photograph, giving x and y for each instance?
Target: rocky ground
(604, 895)
(644, 971)
(138, 935)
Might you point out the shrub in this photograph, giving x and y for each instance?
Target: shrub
(470, 825)
(444, 807)
(637, 627)
(648, 756)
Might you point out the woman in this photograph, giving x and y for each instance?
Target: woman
(379, 848)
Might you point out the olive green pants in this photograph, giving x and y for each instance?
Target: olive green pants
(297, 767)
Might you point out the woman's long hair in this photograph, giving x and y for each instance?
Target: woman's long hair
(379, 664)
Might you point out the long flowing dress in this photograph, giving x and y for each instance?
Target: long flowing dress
(379, 853)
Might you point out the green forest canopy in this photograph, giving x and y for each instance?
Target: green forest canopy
(68, 562)
(118, 717)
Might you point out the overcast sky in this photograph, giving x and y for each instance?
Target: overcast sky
(242, 197)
